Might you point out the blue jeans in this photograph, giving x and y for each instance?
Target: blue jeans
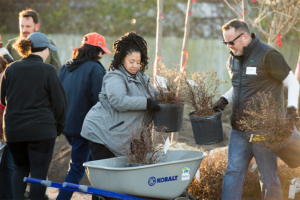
(6, 172)
(81, 153)
(240, 153)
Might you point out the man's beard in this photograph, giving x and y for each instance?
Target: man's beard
(238, 53)
(21, 33)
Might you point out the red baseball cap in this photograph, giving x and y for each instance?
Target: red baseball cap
(97, 40)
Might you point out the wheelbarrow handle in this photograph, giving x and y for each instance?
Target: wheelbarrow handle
(71, 185)
(32, 180)
(81, 188)
(50, 184)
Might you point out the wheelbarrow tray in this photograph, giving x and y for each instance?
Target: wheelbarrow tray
(164, 180)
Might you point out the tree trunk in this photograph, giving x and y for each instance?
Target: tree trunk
(272, 43)
(186, 34)
(158, 37)
(245, 12)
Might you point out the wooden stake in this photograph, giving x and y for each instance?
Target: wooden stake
(188, 17)
(245, 12)
(159, 18)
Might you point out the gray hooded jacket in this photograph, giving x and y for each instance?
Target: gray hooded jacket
(122, 105)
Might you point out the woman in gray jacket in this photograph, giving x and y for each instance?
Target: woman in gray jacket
(125, 99)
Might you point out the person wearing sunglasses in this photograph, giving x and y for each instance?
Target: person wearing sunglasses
(253, 67)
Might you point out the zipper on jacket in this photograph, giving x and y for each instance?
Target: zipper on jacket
(241, 77)
(115, 126)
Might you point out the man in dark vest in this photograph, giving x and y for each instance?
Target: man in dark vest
(253, 67)
(29, 23)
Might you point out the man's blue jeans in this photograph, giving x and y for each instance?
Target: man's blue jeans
(81, 153)
(6, 172)
(240, 153)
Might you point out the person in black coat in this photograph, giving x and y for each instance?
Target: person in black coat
(35, 112)
(81, 78)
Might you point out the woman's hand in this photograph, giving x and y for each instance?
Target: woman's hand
(152, 105)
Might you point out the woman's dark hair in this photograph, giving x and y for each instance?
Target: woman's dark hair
(3, 64)
(86, 50)
(130, 42)
(23, 46)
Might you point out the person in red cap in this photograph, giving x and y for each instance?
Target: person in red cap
(81, 78)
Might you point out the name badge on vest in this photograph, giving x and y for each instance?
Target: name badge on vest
(251, 70)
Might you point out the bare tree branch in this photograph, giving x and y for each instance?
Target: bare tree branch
(239, 15)
(238, 5)
(290, 27)
(298, 30)
(259, 28)
(289, 4)
(280, 16)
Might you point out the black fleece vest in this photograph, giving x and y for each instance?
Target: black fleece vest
(246, 83)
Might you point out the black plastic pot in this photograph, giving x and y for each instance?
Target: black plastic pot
(207, 130)
(289, 152)
(170, 117)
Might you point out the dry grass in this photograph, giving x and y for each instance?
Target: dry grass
(267, 119)
(212, 170)
(201, 92)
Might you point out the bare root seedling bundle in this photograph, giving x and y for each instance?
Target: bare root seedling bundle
(265, 116)
(144, 147)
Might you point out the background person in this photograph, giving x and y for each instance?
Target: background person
(81, 78)
(29, 23)
(6, 162)
(35, 112)
(271, 74)
(124, 99)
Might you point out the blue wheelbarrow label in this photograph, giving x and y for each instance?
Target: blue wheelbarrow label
(152, 180)
(185, 174)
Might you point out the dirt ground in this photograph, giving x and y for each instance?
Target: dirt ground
(62, 151)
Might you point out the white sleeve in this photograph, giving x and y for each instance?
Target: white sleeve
(293, 89)
(3, 51)
(228, 95)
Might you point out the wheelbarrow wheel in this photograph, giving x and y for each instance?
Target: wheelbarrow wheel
(95, 197)
(191, 197)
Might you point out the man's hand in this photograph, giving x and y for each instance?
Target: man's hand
(220, 104)
(292, 114)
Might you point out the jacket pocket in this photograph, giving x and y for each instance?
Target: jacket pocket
(115, 126)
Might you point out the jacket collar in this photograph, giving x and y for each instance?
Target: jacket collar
(33, 58)
(248, 49)
(129, 75)
(140, 76)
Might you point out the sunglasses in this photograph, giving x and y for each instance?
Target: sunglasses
(232, 41)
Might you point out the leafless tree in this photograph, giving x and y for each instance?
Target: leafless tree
(279, 17)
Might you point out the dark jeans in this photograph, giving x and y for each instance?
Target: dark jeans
(30, 157)
(240, 153)
(100, 152)
(80, 154)
(6, 172)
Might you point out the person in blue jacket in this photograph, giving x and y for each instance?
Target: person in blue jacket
(81, 78)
